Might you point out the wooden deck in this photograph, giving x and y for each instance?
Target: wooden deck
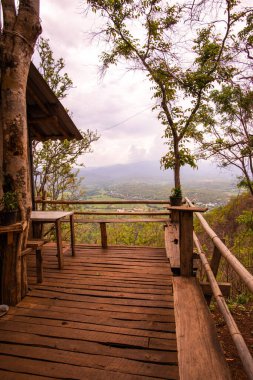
(107, 315)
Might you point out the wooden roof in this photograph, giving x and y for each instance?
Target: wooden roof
(47, 118)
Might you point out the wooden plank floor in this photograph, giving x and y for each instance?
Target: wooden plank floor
(107, 315)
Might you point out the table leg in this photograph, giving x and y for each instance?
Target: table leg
(59, 244)
(72, 235)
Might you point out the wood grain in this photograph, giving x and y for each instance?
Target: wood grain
(199, 353)
(107, 315)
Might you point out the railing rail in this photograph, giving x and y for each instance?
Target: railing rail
(244, 275)
(242, 272)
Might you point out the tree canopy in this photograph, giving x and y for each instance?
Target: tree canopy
(54, 161)
(185, 51)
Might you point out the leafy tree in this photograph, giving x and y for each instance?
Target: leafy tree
(145, 33)
(230, 138)
(54, 160)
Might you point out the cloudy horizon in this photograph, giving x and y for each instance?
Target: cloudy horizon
(118, 106)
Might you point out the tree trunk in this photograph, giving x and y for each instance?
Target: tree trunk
(18, 37)
(177, 182)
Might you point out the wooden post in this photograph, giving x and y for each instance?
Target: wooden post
(72, 234)
(174, 216)
(59, 244)
(186, 243)
(10, 243)
(215, 261)
(103, 234)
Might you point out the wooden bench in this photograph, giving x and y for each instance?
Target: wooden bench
(103, 222)
(36, 245)
(199, 353)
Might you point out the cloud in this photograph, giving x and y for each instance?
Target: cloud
(119, 106)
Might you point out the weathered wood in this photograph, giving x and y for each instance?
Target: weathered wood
(242, 272)
(24, 280)
(37, 246)
(186, 243)
(237, 337)
(59, 244)
(215, 261)
(11, 281)
(187, 208)
(199, 353)
(72, 234)
(172, 245)
(11, 228)
(92, 202)
(225, 288)
(111, 319)
(142, 220)
(103, 235)
(153, 213)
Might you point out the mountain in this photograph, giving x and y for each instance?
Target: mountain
(150, 172)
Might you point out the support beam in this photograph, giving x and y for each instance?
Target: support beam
(103, 235)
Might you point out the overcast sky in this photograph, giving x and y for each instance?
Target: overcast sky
(102, 104)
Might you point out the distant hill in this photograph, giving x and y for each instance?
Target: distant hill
(150, 172)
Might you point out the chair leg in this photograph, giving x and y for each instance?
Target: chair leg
(39, 265)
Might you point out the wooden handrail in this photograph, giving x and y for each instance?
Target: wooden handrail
(92, 202)
(242, 272)
(241, 346)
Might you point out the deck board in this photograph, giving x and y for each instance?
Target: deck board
(107, 315)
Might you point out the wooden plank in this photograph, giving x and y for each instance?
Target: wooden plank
(107, 314)
(186, 243)
(225, 288)
(107, 363)
(155, 356)
(172, 245)
(195, 330)
(123, 220)
(61, 370)
(7, 375)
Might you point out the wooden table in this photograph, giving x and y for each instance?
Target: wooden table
(57, 217)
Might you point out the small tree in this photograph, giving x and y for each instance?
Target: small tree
(54, 160)
(144, 32)
(230, 130)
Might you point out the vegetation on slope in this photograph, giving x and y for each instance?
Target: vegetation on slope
(233, 223)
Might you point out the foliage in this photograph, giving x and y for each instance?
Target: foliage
(54, 160)
(53, 166)
(231, 132)
(176, 192)
(233, 223)
(230, 138)
(145, 34)
(9, 201)
(51, 69)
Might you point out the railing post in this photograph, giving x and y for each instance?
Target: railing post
(103, 234)
(186, 243)
(186, 236)
(215, 261)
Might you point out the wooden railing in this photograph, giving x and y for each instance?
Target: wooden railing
(96, 216)
(211, 271)
(183, 217)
